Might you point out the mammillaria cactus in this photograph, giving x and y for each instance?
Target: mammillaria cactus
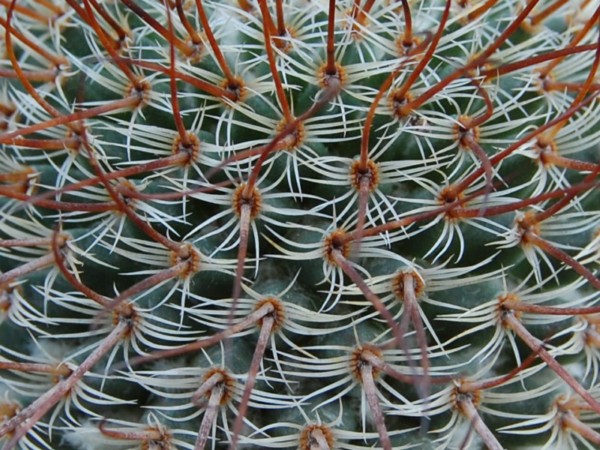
(302, 224)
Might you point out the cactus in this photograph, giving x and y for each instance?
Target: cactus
(299, 224)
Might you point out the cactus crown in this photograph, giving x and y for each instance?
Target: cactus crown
(299, 224)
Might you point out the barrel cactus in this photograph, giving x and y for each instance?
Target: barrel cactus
(299, 224)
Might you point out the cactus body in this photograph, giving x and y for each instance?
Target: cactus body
(299, 224)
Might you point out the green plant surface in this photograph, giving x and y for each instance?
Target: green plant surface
(296, 224)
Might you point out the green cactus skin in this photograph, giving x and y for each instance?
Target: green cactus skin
(296, 224)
